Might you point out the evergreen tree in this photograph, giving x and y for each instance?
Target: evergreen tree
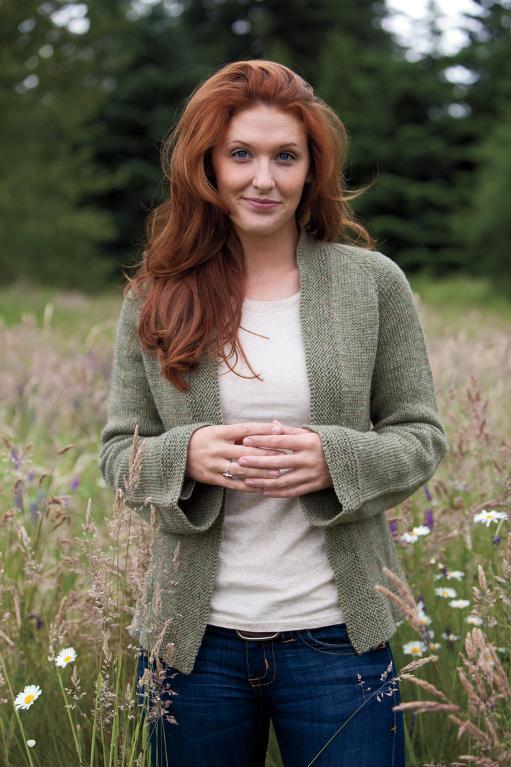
(50, 232)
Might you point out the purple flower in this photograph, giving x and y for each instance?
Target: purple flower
(427, 493)
(497, 539)
(393, 526)
(15, 458)
(428, 518)
(74, 483)
(33, 510)
(31, 475)
(18, 498)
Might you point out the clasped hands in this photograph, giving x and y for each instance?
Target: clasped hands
(258, 459)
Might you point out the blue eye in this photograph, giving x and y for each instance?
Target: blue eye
(237, 151)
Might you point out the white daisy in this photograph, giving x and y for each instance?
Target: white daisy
(424, 619)
(26, 698)
(475, 619)
(458, 574)
(435, 646)
(459, 603)
(31, 743)
(408, 538)
(421, 530)
(65, 656)
(414, 648)
(450, 637)
(487, 517)
(445, 591)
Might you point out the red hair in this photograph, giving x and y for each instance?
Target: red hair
(191, 276)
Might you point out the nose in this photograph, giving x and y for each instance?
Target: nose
(263, 178)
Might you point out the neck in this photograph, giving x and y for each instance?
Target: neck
(266, 255)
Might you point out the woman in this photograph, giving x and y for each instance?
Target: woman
(268, 478)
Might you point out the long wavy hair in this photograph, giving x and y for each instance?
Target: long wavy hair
(191, 277)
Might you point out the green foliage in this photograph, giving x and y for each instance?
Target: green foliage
(84, 114)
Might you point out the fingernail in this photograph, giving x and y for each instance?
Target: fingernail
(247, 441)
(275, 429)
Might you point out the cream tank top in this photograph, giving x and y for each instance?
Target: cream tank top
(273, 573)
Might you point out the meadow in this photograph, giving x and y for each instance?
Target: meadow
(73, 556)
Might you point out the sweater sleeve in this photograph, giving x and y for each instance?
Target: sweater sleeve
(375, 470)
(163, 452)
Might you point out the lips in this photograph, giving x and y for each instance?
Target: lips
(255, 203)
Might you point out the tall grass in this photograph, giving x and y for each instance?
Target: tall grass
(72, 562)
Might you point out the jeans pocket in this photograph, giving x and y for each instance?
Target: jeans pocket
(330, 639)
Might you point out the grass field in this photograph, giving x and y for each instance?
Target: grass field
(72, 560)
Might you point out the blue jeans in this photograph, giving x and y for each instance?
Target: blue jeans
(310, 683)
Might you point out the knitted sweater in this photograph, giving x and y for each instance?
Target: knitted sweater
(372, 403)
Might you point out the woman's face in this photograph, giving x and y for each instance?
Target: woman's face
(263, 156)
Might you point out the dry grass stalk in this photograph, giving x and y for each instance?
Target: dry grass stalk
(425, 686)
(404, 600)
(420, 706)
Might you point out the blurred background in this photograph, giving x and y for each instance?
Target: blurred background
(88, 90)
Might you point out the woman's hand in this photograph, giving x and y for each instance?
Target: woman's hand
(305, 469)
(211, 447)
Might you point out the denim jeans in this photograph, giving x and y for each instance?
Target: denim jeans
(310, 683)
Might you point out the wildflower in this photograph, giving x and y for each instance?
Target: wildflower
(424, 619)
(428, 518)
(450, 636)
(65, 656)
(475, 619)
(31, 743)
(487, 517)
(459, 603)
(26, 698)
(74, 483)
(421, 530)
(415, 533)
(434, 646)
(445, 591)
(458, 574)
(496, 540)
(414, 648)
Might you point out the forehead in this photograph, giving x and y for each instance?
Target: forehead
(265, 124)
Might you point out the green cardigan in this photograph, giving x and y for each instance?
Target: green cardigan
(372, 402)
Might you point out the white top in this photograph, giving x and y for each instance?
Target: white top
(273, 572)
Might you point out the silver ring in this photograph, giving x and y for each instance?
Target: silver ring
(229, 474)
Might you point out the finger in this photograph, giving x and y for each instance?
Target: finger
(238, 484)
(236, 431)
(283, 461)
(288, 429)
(251, 473)
(275, 441)
(286, 480)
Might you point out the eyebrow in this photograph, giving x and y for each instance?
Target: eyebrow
(286, 144)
